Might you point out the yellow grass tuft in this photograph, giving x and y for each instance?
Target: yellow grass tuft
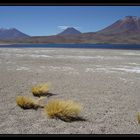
(40, 90)
(27, 103)
(139, 118)
(64, 110)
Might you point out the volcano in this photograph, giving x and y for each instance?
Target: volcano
(70, 31)
(11, 33)
(127, 25)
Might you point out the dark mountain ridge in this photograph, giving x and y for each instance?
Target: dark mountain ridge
(11, 33)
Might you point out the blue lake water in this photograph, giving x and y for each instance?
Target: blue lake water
(90, 46)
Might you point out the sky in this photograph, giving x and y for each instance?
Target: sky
(51, 20)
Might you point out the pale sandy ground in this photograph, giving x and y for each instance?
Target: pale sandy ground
(4, 44)
(105, 82)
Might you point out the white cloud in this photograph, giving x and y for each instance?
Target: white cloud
(63, 27)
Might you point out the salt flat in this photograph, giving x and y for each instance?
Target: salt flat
(106, 83)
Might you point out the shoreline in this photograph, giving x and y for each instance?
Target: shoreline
(70, 44)
(5, 44)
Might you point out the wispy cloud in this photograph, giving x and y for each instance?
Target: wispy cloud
(63, 27)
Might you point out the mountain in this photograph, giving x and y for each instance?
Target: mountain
(11, 33)
(128, 25)
(123, 31)
(70, 31)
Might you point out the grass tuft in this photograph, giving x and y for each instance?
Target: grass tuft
(65, 110)
(27, 103)
(40, 90)
(139, 118)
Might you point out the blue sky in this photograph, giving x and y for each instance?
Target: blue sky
(50, 20)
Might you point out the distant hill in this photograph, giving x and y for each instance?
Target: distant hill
(70, 31)
(11, 33)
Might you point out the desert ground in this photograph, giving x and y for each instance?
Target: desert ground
(105, 82)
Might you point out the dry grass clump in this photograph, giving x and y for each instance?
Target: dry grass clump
(27, 103)
(40, 90)
(139, 118)
(64, 110)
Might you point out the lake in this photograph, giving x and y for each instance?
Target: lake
(90, 46)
